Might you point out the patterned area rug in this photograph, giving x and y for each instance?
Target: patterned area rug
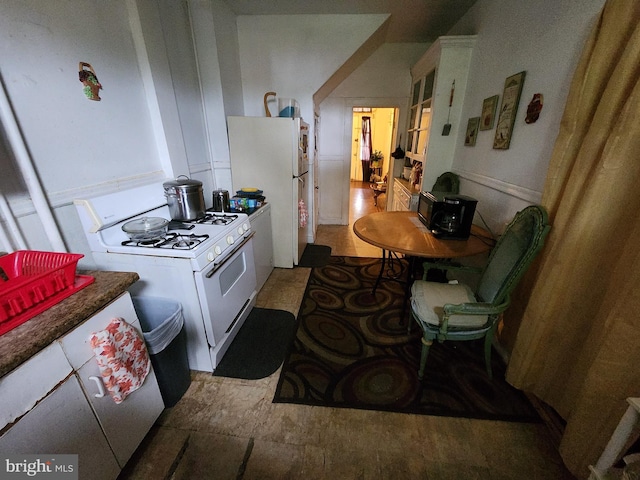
(352, 350)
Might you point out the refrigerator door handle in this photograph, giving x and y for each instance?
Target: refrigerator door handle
(301, 177)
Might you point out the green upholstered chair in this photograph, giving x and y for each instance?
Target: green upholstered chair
(452, 311)
(448, 182)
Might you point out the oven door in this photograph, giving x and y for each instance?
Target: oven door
(225, 290)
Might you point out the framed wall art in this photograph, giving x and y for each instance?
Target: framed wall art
(508, 109)
(472, 131)
(488, 112)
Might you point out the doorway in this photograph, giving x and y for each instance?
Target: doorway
(382, 126)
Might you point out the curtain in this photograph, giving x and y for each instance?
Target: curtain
(578, 339)
(366, 148)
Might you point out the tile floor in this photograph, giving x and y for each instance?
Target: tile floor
(229, 429)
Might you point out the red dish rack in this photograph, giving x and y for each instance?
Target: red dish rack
(33, 281)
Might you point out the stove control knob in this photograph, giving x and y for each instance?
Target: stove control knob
(230, 239)
(211, 256)
(241, 230)
(245, 227)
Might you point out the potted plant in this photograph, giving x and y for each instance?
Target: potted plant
(376, 159)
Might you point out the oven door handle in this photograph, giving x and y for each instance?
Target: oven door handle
(233, 252)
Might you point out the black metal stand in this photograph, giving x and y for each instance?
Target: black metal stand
(390, 257)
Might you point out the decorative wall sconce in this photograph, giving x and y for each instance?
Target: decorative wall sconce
(88, 77)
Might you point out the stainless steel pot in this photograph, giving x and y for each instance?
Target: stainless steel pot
(221, 201)
(185, 198)
(146, 228)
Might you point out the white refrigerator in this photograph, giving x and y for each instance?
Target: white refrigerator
(271, 154)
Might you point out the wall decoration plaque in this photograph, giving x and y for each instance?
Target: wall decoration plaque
(472, 131)
(508, 109)
(488, 112)
(89, 79)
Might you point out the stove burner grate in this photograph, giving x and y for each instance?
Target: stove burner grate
(213, 218)
(185, 244)
(170, 240)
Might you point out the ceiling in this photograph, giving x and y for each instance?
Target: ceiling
(419, 21)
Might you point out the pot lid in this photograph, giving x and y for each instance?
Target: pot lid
(182, 181)
(145, 224)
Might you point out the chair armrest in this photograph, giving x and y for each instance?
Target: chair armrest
(479, 308)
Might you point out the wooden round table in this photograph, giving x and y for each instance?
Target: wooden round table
(403, 232)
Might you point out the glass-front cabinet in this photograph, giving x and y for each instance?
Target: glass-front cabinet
(435, 103)
(420, 117)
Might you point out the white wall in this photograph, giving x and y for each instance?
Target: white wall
(226, 37)
(149, 124)
(293, 55)
(542, 37)
(176, 25)
(76, 142)
(384, 80)
(545, 39)
(217, 68)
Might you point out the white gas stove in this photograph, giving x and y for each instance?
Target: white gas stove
(206, 264)
(205, 240)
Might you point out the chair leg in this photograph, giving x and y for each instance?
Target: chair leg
(426, 344)
(488, 340)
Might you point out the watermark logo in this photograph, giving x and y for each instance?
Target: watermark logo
(50, 467)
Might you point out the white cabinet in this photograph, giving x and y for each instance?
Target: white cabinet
(53, 398)
(403, 199)
(127, 423)
(445, 66)
(76, 344)
(262, 243)
(63, 423)
(25, 386)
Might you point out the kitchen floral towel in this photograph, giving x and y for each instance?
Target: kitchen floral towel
(122, 358)
(304, 213)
